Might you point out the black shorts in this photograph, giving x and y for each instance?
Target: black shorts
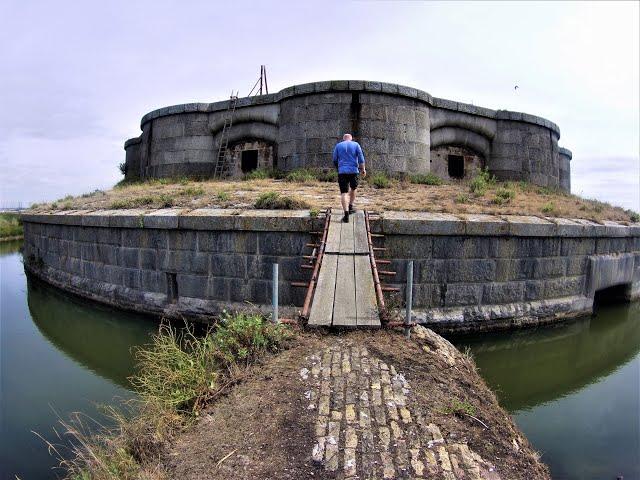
(346, 180)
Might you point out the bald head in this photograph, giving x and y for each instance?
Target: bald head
(347, 137)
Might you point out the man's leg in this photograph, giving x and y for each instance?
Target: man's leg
(352, 199)
(344, 200)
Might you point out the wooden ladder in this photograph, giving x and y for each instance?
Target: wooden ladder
(222, 166)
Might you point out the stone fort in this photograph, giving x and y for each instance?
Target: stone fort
(401, 130)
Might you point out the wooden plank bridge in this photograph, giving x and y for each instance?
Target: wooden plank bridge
(345, 288)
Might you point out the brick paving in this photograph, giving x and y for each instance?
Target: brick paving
(367, 427)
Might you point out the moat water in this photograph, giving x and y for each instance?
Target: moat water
(574, 390)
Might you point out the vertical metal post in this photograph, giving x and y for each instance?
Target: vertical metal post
(274, 294)
(409, 299)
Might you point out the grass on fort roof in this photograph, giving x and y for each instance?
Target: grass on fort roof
(317, 190)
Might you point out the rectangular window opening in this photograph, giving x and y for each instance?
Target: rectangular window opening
(172, 287)
(248, 160)
(456, 166)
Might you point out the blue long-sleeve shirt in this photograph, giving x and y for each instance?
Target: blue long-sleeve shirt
(347, 155)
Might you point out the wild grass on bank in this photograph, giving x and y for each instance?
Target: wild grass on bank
(10, 225)
(276, 201)
(179, 373)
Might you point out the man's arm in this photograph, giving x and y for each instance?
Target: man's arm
(361, 162)
(335, 156)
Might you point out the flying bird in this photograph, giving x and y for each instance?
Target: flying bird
(516, 87)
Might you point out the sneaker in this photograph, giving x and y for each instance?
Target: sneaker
(345, 219)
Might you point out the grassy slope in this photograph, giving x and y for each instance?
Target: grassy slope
(377, 192)
(10, 225)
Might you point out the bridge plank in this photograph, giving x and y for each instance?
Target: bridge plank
(361, 239)
(333, 235)
(366, 304)
(344, 305)
(323, 298)
(346, 238)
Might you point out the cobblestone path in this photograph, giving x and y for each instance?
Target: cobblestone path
(367, 427)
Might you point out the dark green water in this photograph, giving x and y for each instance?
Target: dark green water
(574, 390)
(57, 355)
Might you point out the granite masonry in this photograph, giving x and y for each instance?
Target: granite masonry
(401, 129)
(472, 272)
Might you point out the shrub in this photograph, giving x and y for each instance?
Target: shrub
(275, 201)
(481, 182)
(193, 191)
(549, 207)
(503, 195)
(258, 174)
(10, 225)
(380, 180)
(633, 216)
(302, 175)
(223, 196)
(462, 198)
(328, 175)
(426, 179)
(181, 371)
(314, 212)
(123, 168)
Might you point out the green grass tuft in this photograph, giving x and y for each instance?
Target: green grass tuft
(426, 179)
(276, 201)
(380, 180)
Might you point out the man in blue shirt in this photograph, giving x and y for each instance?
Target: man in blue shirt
(349, 160)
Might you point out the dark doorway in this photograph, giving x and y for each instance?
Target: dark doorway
(615, 294)
(456, 166)
(249, 160)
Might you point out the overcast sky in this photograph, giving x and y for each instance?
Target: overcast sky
(76, 77)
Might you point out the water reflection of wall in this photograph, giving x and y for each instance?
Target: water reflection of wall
(530, 367)
(98, 338)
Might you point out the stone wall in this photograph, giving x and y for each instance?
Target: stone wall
(398, 127)
(471, 272)
(475, 272)
(134, 260)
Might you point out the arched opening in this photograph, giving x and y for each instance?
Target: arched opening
(614, 294)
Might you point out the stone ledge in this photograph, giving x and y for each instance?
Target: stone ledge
(393, 223)
(478, 318)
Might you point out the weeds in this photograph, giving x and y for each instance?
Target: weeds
(459, 408)
(633, 216)
(380, 180)
(479, 184)
(193, 191)
(503, 195)
(302, 175)
(549, 207)
(462, 198)
(275, 201)
(314, 212)
(178, 373)
(258, 174)
(426, 179)
(10, 225)
(223, 196)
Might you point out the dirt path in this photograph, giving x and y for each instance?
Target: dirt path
(360, 405)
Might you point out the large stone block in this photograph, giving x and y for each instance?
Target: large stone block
(229, 265)
(461, 247)
(227, 242)
(129, 257)
(509, 292)
(469, 271)
(564, 287)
